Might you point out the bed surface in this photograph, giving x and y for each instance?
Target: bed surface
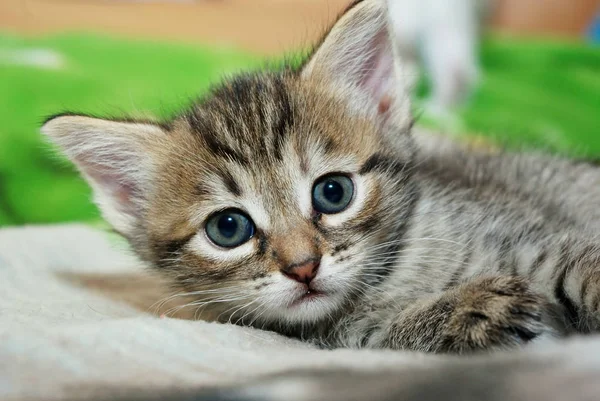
(59, 340)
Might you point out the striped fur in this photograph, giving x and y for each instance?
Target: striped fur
(442, 249)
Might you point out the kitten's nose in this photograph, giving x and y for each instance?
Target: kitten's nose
(302, 272)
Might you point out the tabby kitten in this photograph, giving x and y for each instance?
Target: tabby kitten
(298, 201)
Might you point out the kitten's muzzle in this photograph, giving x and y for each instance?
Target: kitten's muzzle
(303, 272)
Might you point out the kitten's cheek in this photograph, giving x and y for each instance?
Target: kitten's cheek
(333, 277)
(283, 292)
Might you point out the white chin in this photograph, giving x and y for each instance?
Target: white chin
(307, 310)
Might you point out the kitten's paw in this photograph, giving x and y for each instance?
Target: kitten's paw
(494, 313)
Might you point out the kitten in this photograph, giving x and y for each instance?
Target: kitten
(444, 37)
(298, 201)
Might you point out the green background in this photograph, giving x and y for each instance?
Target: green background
(532, 94)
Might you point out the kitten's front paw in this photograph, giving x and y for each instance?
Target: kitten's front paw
(494, 313)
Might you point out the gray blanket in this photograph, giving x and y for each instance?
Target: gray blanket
(60, 340)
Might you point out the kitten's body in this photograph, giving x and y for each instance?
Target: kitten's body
(482, 214)
(438, 248)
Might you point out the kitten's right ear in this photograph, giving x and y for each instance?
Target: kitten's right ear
(358, 60)
(116, 158)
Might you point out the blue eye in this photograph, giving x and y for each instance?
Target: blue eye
(332, 193)
(229, 228)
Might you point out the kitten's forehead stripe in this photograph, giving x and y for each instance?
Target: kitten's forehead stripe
(230, 182)
(304, 164)
(380, 162)
(247, 111)
(329, 145)
(285, 118)
(201, 190)
(223, 150)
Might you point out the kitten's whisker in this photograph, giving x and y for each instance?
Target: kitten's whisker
(377, 263)
(218, 300)
(203, 303)
(249, 313)
(258, 316)
(380, 259)
(239, 309)
(225, 312)
(410, 239)
(236, 310)
(378, 291)
(160, 303)
(408, 246)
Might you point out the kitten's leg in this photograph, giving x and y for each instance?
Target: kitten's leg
(486, 313)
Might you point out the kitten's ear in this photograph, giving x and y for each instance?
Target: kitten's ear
(117, 160)
(358, 59)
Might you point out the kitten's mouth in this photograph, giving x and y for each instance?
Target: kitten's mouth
(308, 296)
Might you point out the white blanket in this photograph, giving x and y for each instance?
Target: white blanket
(57, 338)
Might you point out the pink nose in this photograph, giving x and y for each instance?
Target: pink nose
(302, 272)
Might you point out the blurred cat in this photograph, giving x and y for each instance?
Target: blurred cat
(443, 36)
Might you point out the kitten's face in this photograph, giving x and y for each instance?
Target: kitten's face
(278, 197)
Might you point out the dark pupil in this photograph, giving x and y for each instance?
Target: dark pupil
(227, 226)
(333, 191)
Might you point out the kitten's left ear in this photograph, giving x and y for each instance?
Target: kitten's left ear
(119, 161)
(358, 60)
